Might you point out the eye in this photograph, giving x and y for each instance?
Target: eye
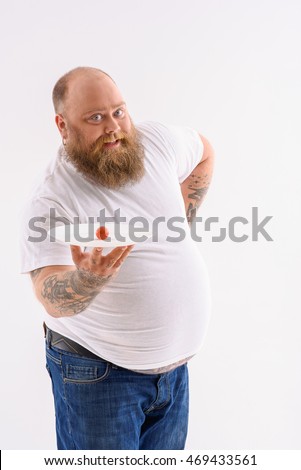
(119, 112)
(96, 117)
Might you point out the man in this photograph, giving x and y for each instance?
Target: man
(120, 327)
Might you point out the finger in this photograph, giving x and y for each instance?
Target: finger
(102, 233)
(96, 253)
(76, 253)
(115, 254)
(123, 256)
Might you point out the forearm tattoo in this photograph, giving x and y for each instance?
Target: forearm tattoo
(198, 187)
(73, 291)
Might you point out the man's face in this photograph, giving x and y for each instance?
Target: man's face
(101, 140)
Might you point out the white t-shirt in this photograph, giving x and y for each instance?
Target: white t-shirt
(155, 312)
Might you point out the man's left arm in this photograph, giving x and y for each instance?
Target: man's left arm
(196, 185)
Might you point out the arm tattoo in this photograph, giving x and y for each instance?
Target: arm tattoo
(198, 186)
(72, 292)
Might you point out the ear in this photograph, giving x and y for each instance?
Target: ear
(61, 125)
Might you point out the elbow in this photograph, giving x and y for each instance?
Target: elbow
(49, 308)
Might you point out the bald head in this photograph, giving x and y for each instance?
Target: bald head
(62, 86)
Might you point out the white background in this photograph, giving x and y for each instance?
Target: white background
(231, 69)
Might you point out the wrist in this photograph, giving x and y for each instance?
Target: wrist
(90, 281)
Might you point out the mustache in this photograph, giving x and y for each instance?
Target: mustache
(98, 149)
(107, 139)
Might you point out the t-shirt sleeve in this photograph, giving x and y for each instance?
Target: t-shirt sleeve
(182, 146)
(36, 247)
(187, 147)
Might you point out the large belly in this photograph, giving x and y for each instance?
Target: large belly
(157, 307)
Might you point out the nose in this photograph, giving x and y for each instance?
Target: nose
(111, 125)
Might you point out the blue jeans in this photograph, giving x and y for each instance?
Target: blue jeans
(101, 406)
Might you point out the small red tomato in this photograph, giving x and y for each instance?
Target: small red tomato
(102, 233)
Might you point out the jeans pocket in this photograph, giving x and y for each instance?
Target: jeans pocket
(84, 371)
